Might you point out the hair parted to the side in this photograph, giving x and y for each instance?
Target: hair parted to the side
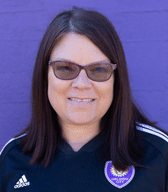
(44, 131)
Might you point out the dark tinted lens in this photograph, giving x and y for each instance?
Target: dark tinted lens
(65, 70)
(99, 72)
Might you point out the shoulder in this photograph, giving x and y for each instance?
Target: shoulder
(154, 137)
(11, 145)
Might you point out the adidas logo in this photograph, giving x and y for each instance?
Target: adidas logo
(22, 182)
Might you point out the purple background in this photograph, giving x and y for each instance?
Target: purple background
(143, 29)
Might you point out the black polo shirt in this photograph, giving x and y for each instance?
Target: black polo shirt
(84, 171)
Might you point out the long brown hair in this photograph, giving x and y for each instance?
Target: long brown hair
(44, 131)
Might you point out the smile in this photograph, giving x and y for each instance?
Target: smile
(81, 100)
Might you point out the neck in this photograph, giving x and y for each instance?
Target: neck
(77, 136)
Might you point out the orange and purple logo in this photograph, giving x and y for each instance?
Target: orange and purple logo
(118, 178)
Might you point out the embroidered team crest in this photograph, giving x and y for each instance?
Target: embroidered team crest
(118, 178)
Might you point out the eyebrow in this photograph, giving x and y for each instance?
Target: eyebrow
(101, 61)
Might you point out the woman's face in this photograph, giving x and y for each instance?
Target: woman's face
(79, 101)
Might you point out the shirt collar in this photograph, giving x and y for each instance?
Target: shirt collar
(88, 147)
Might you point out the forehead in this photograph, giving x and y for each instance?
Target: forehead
(77, 48)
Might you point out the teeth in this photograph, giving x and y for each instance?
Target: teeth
(80, 100)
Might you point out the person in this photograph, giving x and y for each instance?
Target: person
(85, 132)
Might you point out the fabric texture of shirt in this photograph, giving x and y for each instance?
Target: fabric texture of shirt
(83, 171)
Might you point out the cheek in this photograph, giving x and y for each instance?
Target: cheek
(57, 91)
(107, 98)
(51, 87)
(107, 92)
(54, 90)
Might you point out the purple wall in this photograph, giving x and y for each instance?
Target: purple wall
(142, 27)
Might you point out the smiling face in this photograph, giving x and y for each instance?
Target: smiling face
(79, 101)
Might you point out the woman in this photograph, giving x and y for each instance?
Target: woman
(85, 132)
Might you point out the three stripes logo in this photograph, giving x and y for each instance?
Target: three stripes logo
(22, 182)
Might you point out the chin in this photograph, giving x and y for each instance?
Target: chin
(83, 121)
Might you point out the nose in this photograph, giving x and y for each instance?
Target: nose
(82, 81)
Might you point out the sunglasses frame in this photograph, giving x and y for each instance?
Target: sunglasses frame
(52, 62)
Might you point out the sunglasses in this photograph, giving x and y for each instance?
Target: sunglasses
(66, 70)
